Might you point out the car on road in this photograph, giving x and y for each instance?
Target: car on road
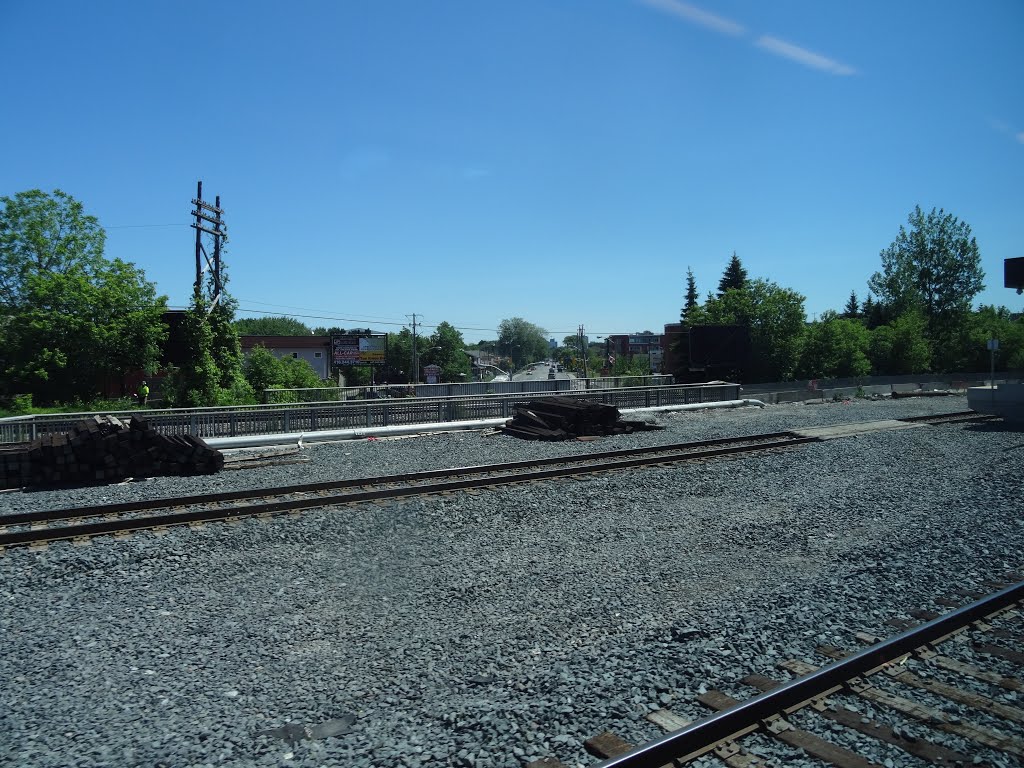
(552, 374)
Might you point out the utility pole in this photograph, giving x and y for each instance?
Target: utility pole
(212, 214)
(583, 350)
(415, 358)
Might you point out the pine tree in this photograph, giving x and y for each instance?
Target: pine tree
(868, 306)
(735, 276)
(691, 295)
(852, 308)
(873, 312)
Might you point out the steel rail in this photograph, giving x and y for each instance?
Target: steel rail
(85, 530)
(23, 518)
(940, 418)
(730, 723)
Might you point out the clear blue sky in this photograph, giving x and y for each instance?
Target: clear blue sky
(559, 160)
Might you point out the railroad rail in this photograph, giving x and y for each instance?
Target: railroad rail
(79, 524)
(853, 673)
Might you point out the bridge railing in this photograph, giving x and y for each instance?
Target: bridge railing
(312, 417)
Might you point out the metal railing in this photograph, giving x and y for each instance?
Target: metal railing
(456, 389)
(311, 417)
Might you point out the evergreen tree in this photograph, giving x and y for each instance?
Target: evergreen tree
(875, 313)
(868, 306)
(735, 276)
(852, 309)
(691, 295)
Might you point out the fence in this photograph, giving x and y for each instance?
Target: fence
(460, 389)
(311, 417)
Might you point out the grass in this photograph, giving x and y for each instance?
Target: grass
(98, 406)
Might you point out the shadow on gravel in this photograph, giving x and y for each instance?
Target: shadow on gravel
(996, 426)
(295, 732)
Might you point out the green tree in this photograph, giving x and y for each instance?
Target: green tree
(263, 370)
(73, 321)
(775, 317)
(196, 384)
(45, 234)
(900, 347)
(734, 277)
(852, 309)
(398, 366)
(521, 341)
(873, 313)
(271, 326)
(934, 267)
(298, 374)
(690, 301)
(970, 345)
(631, 365)
(225, 346)
(835, 347)
(447, 349)
(76, 332)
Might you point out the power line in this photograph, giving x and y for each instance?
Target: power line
(363, 320)
(142, 226)
(307, 309)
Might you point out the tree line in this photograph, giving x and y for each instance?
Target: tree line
(917, 315)
(74, 324)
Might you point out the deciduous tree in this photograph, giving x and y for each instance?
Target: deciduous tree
(196, 384)
(776, 319)
(447, 349)
(935, 267)
(44, 234)
(521, 341)
(76, 331)
(835, 347)
(900, 347)
(74, 322)
(271, 326)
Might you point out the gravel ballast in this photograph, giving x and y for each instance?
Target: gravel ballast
(496, 628)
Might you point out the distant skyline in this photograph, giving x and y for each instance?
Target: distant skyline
(564, 161)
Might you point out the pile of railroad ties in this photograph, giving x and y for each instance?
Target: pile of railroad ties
(566, 418)
(105, 449)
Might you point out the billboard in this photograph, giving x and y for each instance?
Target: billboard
(719, 346)
(1013, 273)
(359, 349)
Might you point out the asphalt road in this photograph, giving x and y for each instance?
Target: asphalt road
(540, 373)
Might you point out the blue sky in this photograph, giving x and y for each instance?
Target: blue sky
(564, 161)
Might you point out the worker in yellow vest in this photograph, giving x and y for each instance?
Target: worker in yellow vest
(143, 393)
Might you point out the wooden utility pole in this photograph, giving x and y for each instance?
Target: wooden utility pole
(212, 214)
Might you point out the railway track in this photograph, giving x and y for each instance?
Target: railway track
(885, 676)
(80, 524)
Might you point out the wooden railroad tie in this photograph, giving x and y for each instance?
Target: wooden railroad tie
(105, 449)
